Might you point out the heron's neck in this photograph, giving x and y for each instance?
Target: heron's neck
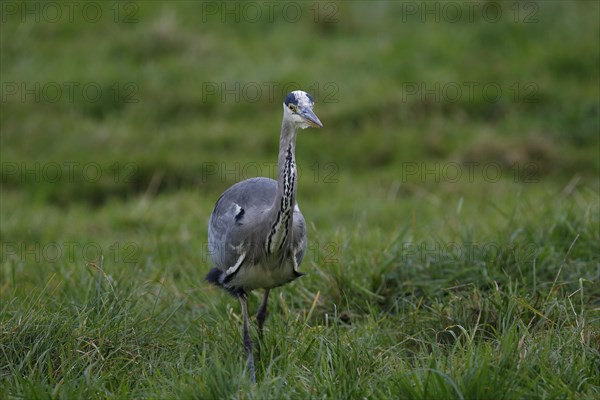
(282, 210)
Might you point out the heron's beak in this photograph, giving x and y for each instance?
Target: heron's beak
(310, 117)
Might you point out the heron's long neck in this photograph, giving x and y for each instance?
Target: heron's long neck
(282, 211)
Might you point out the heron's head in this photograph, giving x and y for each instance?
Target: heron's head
(297, 108)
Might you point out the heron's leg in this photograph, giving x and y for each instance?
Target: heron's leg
(248, 345)
(261, 315)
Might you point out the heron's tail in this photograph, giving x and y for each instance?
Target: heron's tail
(214, 277)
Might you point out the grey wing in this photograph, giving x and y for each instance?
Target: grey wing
(299, 240)
(235, 221)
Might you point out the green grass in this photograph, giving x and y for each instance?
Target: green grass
(421, 283)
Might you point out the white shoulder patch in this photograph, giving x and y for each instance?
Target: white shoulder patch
(237, 208)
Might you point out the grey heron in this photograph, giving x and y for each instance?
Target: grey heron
(256, 232)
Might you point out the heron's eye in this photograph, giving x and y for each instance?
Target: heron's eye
(292, 107)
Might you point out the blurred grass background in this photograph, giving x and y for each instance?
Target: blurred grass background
(134, 170)
(159, 65)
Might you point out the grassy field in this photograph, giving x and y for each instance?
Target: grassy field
(452, 199)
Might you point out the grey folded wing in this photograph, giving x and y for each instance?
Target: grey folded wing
(237, 224)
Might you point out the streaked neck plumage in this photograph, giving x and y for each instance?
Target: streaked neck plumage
(281, 213)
